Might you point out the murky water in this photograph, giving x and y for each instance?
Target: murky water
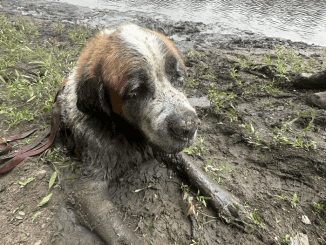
(298, 20)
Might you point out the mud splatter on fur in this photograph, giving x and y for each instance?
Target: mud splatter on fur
(124, 99)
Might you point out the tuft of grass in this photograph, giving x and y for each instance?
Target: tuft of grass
(286, 238)
(192, 82)
(191, 53)
(24, 183)
(244, 62)
(214, 170)
(219, 98)
(253, 221)
(282, 197)
(35, 216)
(197, 149)
(318, 207)
(79, 35)
(148, 223)
(298, 140)
(45, 200)
(29, 96)
(195, 205)
(294, 200)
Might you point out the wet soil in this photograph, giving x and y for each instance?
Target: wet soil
(250, 155)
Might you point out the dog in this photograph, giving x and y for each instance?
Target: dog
(122, 103)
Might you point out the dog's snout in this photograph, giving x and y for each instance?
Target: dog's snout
(184, 126)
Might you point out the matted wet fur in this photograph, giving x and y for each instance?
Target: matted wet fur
(124, 99)
(122, 103)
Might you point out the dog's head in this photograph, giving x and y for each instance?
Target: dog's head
(138, 74)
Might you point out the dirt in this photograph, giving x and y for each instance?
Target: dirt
(249, 159)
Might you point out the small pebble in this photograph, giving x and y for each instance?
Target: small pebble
(305, 220)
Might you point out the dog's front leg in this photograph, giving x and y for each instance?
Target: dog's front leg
(95, 210)
(228, 206)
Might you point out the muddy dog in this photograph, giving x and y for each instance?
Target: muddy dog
(122, 106)
(122, 102)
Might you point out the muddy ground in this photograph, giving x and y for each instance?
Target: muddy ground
(261, 140)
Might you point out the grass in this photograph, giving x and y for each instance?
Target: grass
(294, 200)
(298, 140)
(319, 211)
(263, 75)
(196, 204)
(28, 96)
(58, 161)
(283, 61)
(254, 85)
(24, 183)
(252, 136)
(252, 221)
(196, 149)
(214, 170)
(35, 216)
(282, 197)
(286, 238)
(220, 99)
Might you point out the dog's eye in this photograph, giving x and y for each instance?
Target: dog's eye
(180, 82)
(133, 93)
(175, 73)
(177, 81)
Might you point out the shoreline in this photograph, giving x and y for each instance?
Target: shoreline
(258, 138)
(185, 34)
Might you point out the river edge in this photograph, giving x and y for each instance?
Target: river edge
(192, 35)
(186, 34)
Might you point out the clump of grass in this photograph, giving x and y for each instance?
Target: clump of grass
(319, 211)
(286, 238)
(294, 200)
(288, 61)
(196, 203)
(192, 82)
(253, 137)
(252, 220)
(214, 170)
(26, 96)
(79, 34)
(197, 149)
(298, 140)
(282, 61)
(220, 98)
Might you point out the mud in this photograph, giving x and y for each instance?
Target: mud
(249, 160)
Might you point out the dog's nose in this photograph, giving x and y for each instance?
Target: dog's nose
(184, 126)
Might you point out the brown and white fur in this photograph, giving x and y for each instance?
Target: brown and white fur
(124, 99)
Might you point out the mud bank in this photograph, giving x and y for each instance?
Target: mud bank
(186, 34)
(259, 139)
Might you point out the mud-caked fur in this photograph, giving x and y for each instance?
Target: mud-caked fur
(124, 100)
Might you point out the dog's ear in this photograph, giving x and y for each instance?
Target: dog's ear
(92, 96)
(101, 76)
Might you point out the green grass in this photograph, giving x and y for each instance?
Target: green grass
(220, 99)
(263, 75)
(214, 170)
(27, 96)
(196, 149)
(283, 61)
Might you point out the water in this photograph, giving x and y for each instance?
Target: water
(298, 20)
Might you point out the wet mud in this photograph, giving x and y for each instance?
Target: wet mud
(240, 152)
